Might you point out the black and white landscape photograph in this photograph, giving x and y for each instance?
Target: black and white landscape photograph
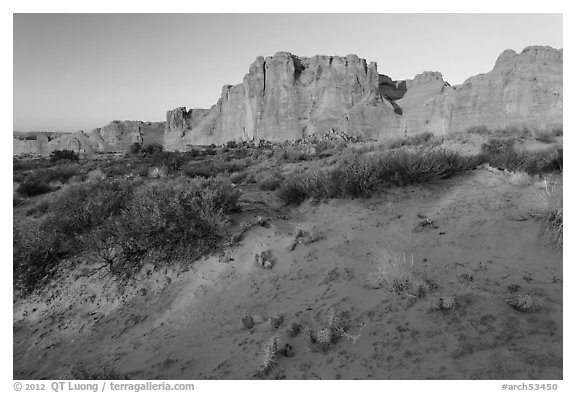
(287, 196)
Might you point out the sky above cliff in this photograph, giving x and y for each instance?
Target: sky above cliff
(81, 71)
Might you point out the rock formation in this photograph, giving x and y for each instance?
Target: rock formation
(285, 97)
(523, 89)
(116, 136)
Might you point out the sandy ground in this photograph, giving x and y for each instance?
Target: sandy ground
(482, 246)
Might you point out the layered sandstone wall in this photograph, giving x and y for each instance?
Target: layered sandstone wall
(286, 97)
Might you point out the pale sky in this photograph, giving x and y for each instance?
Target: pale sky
(81, 71)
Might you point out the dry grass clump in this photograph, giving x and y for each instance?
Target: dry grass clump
(393, 270)
(95, 175)
(520, 179)
(549, 210)
(156, 173)
(358, 174)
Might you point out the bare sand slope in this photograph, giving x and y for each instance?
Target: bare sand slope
(481, 245)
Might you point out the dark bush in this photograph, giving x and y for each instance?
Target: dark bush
(359, 175)
(480, 130)
(180, 218)
(213, 167)
(33, 186)
(500, 153)
(271, 182)
(79, 210)
(135, 148)
(414, 140)
(65, 154)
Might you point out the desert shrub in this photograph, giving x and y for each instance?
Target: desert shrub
(83, 207)
(156, 172)
(415, 140)
(135, 148)
(152, 148)
(33, 186)
(544, 137)
(172, 161)
(164, 221)
(65, 154)
(211, 168)
(557, 131)
(40, 209)
(96, 175)
(323, 146)
(36, 254)
(500, 153)
(480, 130)
(38, 181)
(16, 200)
(516, 132)
(271, 182)
(358, 175)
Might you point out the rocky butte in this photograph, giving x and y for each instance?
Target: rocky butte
(116, 137)
(286, 97)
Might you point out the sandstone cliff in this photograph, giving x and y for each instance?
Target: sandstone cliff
(286, 97)
(116, 136)
(523, 89)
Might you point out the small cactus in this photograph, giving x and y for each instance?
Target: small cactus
(324, 336)
(257, 319)
(269, 357)
(294, 329)
(248, 322)
(276, 321)
(444, 303)
(527, 302)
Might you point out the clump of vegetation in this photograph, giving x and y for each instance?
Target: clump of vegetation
(444, 303)
(501, 153)
(211, 168)
(271, 182)
(123, 223)
(167, 221)
(269, 356)
(58, 155)
(358, 175)
(336, 328)
(480, 130)
(33, 186)
(525, 302)
(414, 140)
(39, 181)
(394, 271)
(550, 212)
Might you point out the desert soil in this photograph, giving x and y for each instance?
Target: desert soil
(482, 245)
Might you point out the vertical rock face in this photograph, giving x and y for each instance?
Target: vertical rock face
(524, 89)
(285, 97)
